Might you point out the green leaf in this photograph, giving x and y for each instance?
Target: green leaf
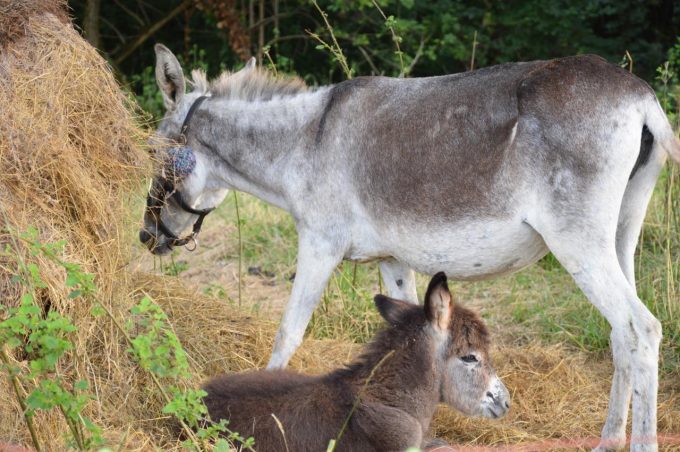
(34, 270)
(221, 445)
(97, 310)
(72, 279)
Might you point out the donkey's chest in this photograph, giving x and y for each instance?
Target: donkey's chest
(464, 250)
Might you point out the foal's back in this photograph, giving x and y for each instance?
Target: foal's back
(300, 403)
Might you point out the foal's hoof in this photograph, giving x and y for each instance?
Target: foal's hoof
(436, 444)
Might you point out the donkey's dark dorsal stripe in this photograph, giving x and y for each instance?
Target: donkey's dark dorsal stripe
(475, 174)
(336, 95)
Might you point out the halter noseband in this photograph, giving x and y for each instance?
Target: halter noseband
(163, 188)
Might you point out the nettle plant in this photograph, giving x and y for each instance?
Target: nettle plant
(158, 351)
(45, 338)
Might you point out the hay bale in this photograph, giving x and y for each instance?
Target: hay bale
(70, 151)
(71, 158)
(15, 15)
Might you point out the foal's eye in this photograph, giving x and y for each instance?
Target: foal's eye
(469, 359)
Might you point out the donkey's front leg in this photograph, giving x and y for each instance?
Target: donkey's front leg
(316, 260)
(399, 280)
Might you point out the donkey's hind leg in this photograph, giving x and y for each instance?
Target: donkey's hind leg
(399, 280)
(633, 209)
(588, 252)
(631, 216)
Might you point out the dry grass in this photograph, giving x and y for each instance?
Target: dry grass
(559, 395)
(71, 160)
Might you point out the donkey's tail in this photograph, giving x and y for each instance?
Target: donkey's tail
(657, 123)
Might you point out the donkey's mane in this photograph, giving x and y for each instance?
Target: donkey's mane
(250, 85)
(390, 337)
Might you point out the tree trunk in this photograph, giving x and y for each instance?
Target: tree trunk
(260, 36)
(91, 25)
(251, 20)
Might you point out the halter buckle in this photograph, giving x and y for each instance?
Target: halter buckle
(193, 241)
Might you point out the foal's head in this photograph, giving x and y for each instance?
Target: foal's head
(460, 343)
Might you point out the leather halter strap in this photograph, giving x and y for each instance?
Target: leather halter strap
(185, 125)
(165, 189)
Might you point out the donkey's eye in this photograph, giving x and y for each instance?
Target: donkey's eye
(469, 359)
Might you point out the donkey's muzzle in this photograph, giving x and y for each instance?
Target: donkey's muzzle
(496, 402)
(156, 246)
(146, 238)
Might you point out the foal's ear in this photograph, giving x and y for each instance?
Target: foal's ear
(390, 309)
(169, 77)
(438, 302)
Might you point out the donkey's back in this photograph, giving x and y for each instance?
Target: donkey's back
(464, 145)
(255, 403)
(478, 159)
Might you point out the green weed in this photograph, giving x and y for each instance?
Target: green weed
(175, 267)
(44, 338)
(158, 351)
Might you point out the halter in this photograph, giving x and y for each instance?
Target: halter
(163, 189)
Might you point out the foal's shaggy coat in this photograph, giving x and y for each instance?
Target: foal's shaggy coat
(426, 356)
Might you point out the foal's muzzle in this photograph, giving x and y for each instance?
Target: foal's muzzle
(496, 401)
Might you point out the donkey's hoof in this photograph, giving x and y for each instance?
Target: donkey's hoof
(610, 444)
(650, 447)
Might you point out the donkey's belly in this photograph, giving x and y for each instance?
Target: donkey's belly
(470, 250)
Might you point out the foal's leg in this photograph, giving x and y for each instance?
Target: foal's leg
(316, 260)
(399, 280)
(386, 428)
(590, 256)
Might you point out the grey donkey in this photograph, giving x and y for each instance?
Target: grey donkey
(477, 174)
(386, 398)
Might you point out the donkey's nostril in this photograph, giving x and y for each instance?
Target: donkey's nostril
(488, 394)
(144, 236)
(507, 404)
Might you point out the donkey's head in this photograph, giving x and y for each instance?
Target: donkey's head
(460, 342)
(183, 190)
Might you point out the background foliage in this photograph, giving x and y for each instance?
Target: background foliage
(435, 36)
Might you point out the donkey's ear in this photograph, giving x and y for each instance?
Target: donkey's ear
(390, 309)
(438, 302)
(250, 65)
(169, 77)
